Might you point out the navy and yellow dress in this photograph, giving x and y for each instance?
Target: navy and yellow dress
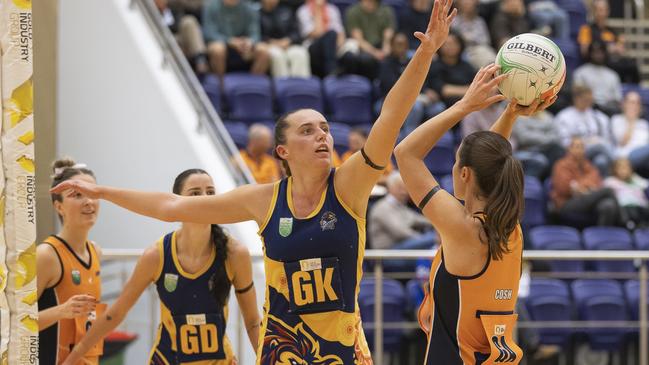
(192, 324)
(313, 270)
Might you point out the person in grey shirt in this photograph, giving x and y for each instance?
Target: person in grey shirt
(538, 143)
(393, 225)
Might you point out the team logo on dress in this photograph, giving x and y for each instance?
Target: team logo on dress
(285, 226)
(287, 345)
(76, 277)
(328, 221)
(170, 282)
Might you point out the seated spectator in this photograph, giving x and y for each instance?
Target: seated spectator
(538, 144)
(548, 18)
(322, 29)
(187, 7)
(577, 188)
(482, 120)
(593, 126)
(508, 21)
(370, 25)
(604, 82)
(629, 190)
(262, 165)
(391, 68)
(449, 76)
(393, 225)
(473, 30)
(599, 31)
(414, 18)
(279, 30)
(631, 131)
(187, 31)
(231, 30)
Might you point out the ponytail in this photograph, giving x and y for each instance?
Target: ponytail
(504, 207)
(220, 283)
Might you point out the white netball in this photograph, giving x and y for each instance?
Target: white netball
(536, 68)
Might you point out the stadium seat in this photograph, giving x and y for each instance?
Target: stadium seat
(296, 93)
(212, 86)
(446, 182)
(641, 238)
(239, 133)
(558, 238)
(609, 238)
(415, 294)
(441, 158)
(349, 99)
(394, 303)
(534, 202)
(570, 52)
(249, 97)
(601, 300)
(339, 132)
(549, 300)
(632, 292)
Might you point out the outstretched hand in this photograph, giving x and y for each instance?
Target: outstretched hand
(71, 187)
(482, 91)
(438, 26)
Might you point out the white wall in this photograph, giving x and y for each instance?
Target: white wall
(124, 114)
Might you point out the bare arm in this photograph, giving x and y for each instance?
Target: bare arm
(145, 271)
(354, 172)
(248, 202)
(444, 211)
(242, 278)
(505, 122)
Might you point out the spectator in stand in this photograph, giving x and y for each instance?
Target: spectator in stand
(279, 30)
(593, 126)
(393, 225)
(629, 190)
(187, 7)
(370, 27)
(548, 18)
(538, 144)
(604, 82)
(475, 34)
(631, 133)
(413, 18)
(322, 29)
(262, 165)
(231, 30)
(598, 30)
(449, 76)
(577, 187)
(391, 68)
(188, 34)
(482, 120)
(508, 21)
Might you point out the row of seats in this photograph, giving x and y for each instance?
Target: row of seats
(592, 238)
(251, 98)
(587, 300)
(548, 300)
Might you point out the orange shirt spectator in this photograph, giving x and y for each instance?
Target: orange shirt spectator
(262, 165)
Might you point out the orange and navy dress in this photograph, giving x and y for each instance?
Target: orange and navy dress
(470, 320)
(313, 270)
(78, 277)
(192, 324)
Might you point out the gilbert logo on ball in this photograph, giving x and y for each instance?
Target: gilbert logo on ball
(535, 65)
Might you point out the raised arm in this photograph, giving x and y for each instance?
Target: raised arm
(505, 122)
(146, 271)
(444, 211)
(356, 173)
(248, 202)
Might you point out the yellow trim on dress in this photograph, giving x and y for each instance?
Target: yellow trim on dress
(271, 207)
(180, 269)
(289, 198)
(347, 208)
(161, 254)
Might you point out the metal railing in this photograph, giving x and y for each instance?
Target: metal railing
(641, 258)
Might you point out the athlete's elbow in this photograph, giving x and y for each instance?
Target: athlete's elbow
(400, 153)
